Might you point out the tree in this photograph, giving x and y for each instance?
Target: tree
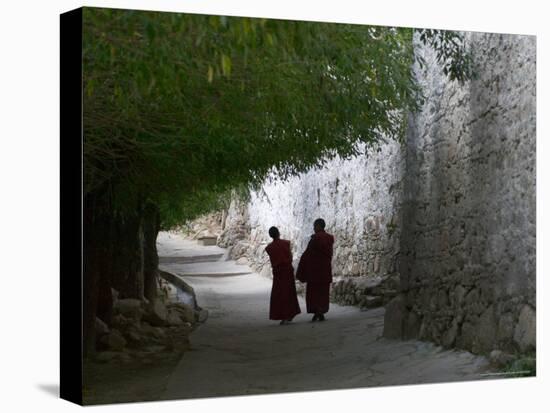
(179, 109)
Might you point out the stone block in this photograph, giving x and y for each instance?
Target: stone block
(394, 318)
(412, 326)
(129, 307)
(100, 328)
(459, 294)
(106, 356)
(174, 319)
(242, 261)
(500, 359)
(467, 336)
(525, 331)
(207, 240)
(202, 315)
(114, 341)
(185, 312)
(376, 266)
(486, 331)
(505, 330)
(156, 313)
(372, 301)
(449, 336)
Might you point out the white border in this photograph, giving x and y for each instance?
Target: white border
(29, 159)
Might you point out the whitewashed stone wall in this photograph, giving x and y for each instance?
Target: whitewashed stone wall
(468, 234)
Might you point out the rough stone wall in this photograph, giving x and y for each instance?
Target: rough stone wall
(468, 230)
(448, 220)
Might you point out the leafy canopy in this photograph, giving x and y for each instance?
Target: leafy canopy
(179, 108)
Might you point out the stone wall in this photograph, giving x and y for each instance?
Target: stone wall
(444, 225)
(468, 231)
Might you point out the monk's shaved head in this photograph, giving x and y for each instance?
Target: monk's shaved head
(274, 233)
(319, 223)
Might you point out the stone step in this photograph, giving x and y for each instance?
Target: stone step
(215, 274)
(206, 269)
(371, 301)
(207, 240)
(190, 259)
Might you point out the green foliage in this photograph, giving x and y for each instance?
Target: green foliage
(180, 109)
(451, 53)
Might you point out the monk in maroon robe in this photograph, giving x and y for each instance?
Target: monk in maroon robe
(284, 301)
(315, 269)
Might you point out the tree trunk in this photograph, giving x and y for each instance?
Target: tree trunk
(151, 227)
(95, 230)
(128, 257)
(90, 288)
(105, 297)
(120, 253)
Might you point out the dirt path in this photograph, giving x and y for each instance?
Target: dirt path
(239, 351)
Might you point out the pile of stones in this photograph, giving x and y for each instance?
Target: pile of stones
(146, 330)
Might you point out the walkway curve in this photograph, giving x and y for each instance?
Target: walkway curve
(239, 351)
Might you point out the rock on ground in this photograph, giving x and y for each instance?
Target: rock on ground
(525, 332)
(129, 307)
(156, 313)
(114, 341)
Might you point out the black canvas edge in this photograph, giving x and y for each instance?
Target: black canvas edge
(71, 206)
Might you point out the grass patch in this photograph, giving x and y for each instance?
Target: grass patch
(523, 366)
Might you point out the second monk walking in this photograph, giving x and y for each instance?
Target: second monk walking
(315, 269)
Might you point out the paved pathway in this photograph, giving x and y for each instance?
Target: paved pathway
(240, 351)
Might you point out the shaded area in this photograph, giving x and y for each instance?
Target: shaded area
(119, 382)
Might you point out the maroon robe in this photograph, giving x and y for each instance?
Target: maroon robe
(315, 269)
(284, 301)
